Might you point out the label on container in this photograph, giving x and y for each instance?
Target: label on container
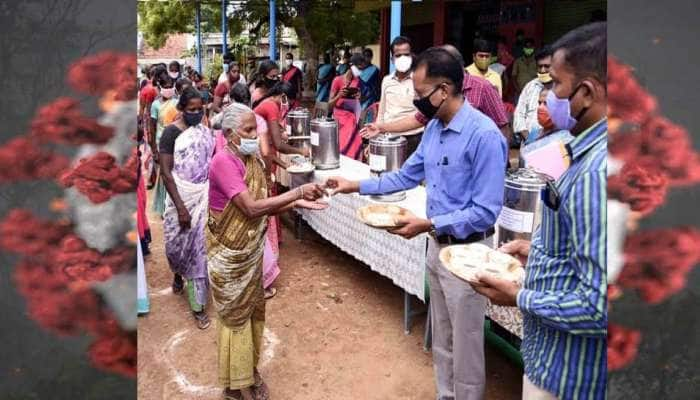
(314, 138)
(377, 162)
(515, 220)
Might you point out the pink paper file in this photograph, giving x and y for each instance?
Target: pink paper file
(552, 159)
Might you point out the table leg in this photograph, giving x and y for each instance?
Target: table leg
(298, 226)
(407, 316)
(428, 336)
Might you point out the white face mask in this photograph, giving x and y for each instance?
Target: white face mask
(288, 62)
(355, 71)
(403, 63)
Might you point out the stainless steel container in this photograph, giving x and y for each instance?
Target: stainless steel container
(325, 143)
(298, 179)
(387, 154)
(522, 205)
(298, 128)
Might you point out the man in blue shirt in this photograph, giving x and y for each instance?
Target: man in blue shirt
(461, 159)
(564, 296)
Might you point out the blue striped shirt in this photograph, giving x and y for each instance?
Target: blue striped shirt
(564, 296)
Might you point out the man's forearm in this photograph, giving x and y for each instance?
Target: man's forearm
(401, 125)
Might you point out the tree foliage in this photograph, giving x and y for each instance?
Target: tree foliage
(319, 24)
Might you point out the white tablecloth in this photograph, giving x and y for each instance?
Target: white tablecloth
(401, 260)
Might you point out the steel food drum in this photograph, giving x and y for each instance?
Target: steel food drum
(386, 154)
(298, 128)
(325, 143)
(522, 205)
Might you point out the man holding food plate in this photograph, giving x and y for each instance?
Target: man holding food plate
(460, 158)
(564, 296)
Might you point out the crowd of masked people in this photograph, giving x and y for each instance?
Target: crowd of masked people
(219, 203)
(507, 85)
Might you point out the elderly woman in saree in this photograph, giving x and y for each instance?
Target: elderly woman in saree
(238, 210)
(186, 149)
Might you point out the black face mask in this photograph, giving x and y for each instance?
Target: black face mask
(193, 119)
(270, 82)
(426, 107)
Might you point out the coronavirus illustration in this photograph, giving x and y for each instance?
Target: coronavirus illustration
(88, 239)
(649, 156)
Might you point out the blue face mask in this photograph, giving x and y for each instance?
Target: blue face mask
(560, 110)
(248, 146)
(193, 119)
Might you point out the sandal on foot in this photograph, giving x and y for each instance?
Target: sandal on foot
(260, 389)
(261, 392)
(232, 394)
(239, 394)
(202, 320)
(270, 293)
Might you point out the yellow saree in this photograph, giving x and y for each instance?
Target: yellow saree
(235, 246)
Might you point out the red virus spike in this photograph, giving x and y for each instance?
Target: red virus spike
(22, 233)
(99, 177)
(23, 159)
(103, 72)
(82, 263)
(627, 100)
(115, 353)
(642, 189)
(658, 261)
(622, 346)
(62, 122)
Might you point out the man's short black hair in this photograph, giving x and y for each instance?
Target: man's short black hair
(544, 52)
(586, 50)
(398, 41)
(439, 63)
(368, 53)
(482, 46)
(454, 52)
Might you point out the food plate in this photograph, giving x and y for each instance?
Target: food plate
(300, 168)
(382, 216)
(464, 261)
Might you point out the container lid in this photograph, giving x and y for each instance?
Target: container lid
(299, 112)
(324, 121)
(526, 177)
(388, 141)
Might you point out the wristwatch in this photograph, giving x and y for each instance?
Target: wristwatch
(432, 232)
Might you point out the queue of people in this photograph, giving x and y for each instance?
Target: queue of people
(220, 203)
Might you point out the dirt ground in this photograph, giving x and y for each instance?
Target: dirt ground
(333, 332)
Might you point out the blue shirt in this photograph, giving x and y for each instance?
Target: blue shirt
(564, 296)
(463, 166)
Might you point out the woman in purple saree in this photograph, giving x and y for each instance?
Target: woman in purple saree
(186, 149)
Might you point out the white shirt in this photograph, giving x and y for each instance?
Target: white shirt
(396, 101)
(525, 116)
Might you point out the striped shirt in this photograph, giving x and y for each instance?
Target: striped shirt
(564, 296)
